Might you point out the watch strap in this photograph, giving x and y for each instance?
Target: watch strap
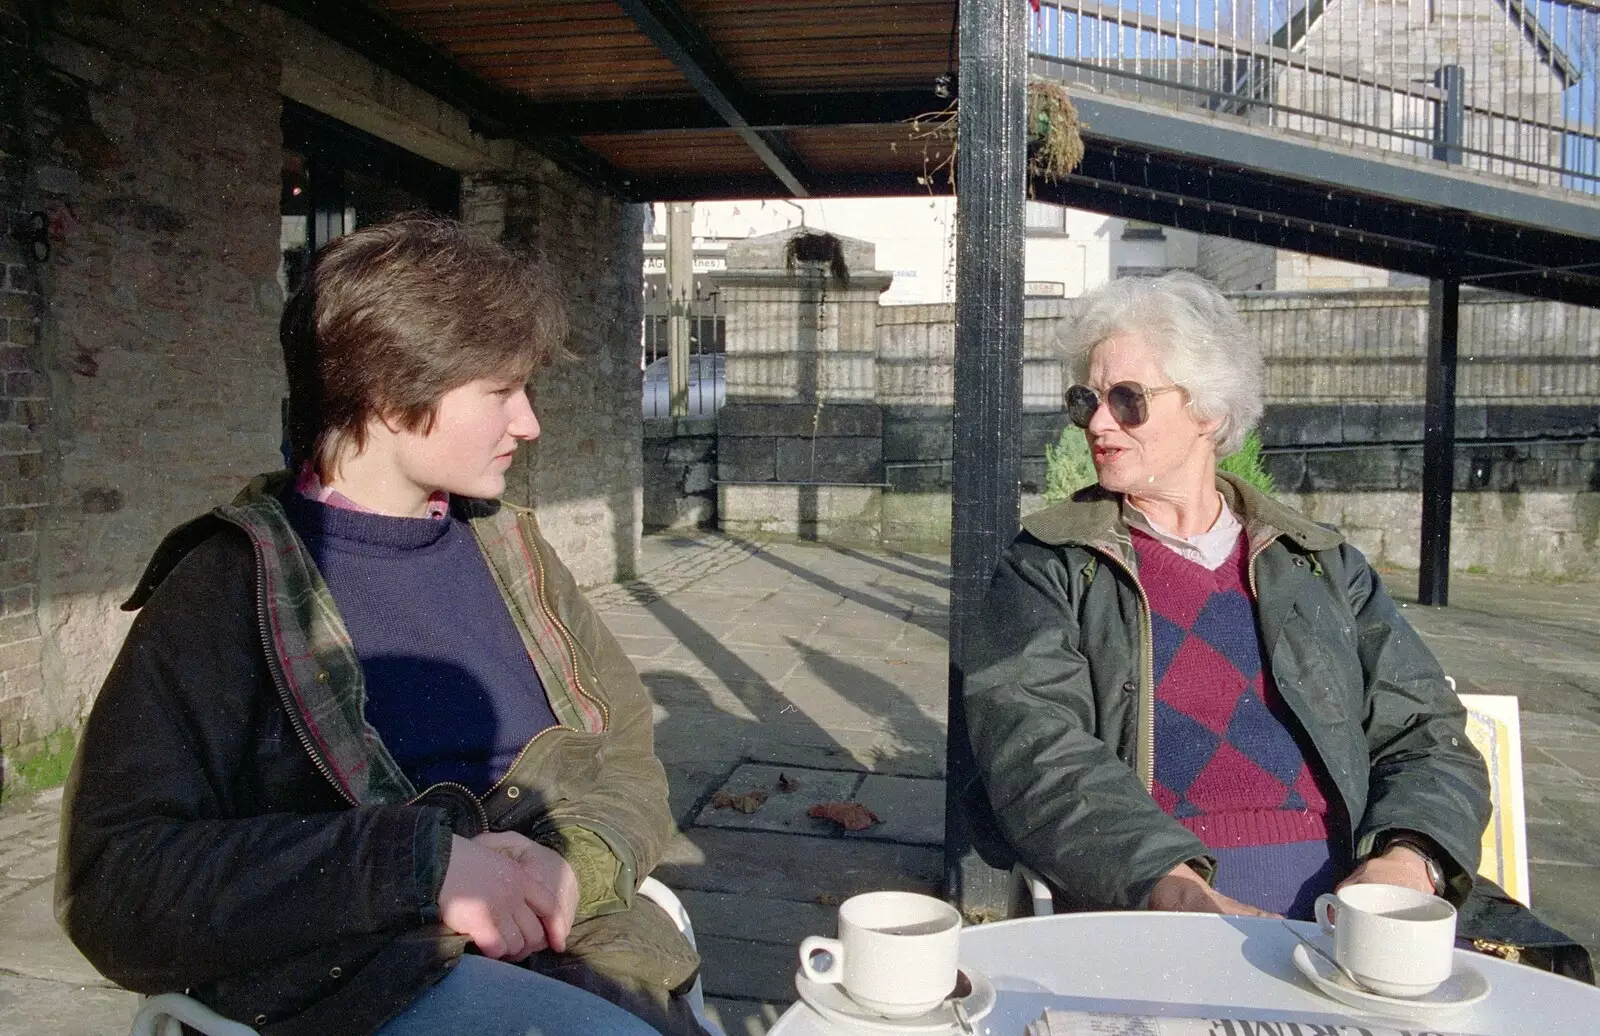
(1423, 849)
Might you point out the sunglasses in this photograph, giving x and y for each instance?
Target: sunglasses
(1129, 402)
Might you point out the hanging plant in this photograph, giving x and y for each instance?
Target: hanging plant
(825, 249)
(1055, 144)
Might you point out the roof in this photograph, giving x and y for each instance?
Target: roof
(680, 99)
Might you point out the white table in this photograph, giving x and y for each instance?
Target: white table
(1205, 964)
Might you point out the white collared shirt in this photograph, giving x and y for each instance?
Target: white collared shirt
(1210, 548)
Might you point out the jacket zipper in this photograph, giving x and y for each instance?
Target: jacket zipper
(1145, 759)
(296, 720)
(1250, 566)
(577, 682)
(566, 637)
(482, 814)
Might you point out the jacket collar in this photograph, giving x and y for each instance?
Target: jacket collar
(1093, 518)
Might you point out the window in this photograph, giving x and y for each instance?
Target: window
(337, 178)
(1046, 218)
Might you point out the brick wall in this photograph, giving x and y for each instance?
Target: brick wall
(158, 158)
(23, 416)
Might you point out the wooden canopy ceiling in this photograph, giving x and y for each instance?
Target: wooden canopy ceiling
(682, 99)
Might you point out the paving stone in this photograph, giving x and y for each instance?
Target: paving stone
(912, 810)
(779, 921)
(796, 867)
(1586, 762)
(34, 946)
(782, 811)
(742, 1017)
(37, 865)
(31, 1007)
(759, 970)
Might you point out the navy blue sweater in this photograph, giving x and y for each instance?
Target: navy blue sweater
(450, 687)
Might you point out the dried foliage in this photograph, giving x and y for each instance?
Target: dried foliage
(1055, 144)
(852, 816)
(747, 802)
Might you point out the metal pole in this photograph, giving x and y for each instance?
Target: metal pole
(1439, 440)
(991, 185)
(1449, 114)
(680, 293)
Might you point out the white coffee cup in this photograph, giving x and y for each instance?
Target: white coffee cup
(1394, 940)
(895, 955)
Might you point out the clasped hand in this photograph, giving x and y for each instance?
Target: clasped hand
(510, 895)
(1184, 889)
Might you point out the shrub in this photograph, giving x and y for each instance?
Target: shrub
(1247, 464)
(1067, 467)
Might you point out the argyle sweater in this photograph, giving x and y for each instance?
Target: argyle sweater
(1228, 765)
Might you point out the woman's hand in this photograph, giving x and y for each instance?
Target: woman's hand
(552, 886)
(1396, 866)
(484, 897)
(1185, 890)
(510, 895)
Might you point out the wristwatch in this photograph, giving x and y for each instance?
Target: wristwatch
(1420, 846)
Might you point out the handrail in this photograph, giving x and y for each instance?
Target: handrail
(1431, 78)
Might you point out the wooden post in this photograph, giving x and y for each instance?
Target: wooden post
(1439, 440)
(991, 181)
(680, 295)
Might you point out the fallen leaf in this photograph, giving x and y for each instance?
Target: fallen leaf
(786, 784)
(852, 816)
(828, 899)
(748, 802)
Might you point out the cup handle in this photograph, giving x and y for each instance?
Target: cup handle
(1324, 911)
(814, 944)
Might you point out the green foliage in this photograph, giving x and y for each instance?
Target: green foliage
(43, 764)
(1247, 465)
(1067, 467)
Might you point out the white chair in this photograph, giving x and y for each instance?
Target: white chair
(165, 1015)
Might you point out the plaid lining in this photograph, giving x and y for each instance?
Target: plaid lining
(319, 660)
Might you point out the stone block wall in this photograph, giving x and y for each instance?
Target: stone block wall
(680, 468)
(23, 415)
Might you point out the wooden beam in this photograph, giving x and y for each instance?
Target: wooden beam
(688, 47)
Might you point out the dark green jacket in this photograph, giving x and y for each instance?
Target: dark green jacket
(1059, 692)
(234, 827)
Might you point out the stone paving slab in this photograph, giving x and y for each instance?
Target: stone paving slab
(24, 953)
(35, 1007)
(794, 867)
(912, 810)
(782, 811)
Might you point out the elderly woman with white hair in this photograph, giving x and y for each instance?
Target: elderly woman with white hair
(1183, 695)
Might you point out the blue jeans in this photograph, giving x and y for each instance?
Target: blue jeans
(490, 998)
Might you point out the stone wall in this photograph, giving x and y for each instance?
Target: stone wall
(584, 475)
(25, 717)
(159, 167)
(680, 468)
(1534, 533)
(149, 391)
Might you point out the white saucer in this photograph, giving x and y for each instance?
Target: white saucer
(834, 1004)
(1465, 987)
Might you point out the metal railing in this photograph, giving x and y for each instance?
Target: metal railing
(1510, 87)
(707, 327)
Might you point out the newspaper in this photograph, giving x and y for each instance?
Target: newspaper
(1089, 1023)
